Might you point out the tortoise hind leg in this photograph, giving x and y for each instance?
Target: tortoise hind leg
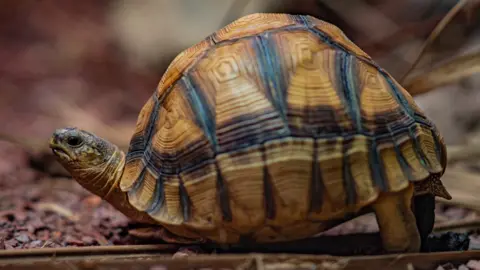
(424, 209)
(397, 222)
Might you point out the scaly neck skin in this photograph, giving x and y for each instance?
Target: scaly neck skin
(105, 183)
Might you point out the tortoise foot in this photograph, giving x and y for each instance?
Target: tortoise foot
(396, 221)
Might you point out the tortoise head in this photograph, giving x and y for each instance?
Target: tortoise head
(94, 162)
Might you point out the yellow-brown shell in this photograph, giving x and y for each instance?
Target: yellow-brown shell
(272, 127)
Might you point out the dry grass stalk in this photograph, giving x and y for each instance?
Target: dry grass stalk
(452, 71)
(463, 224)
(457, 153)
(59, 209)
(435, 33)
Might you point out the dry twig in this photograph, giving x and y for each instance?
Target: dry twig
(435, 33)
(452, 71)
(465, 152)
(463, 224)
(60, 210)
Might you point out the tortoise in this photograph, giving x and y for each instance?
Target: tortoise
(276, 127)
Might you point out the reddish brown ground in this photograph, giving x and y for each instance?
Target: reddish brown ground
(39, 211)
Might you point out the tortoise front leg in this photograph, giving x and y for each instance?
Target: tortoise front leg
(397, 222)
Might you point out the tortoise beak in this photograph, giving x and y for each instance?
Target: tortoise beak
(58, 148)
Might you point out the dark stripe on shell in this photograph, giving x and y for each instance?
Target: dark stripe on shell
(348, 181)
(316, 182)
(406, 169)
(327, 40)
(136, 148)
(376, 167)
(138, 183)
(321, 124)
(141, 141)
(439, 150)
(223, 196)
(269, 201)
(205, 116)
(418, 149)
(159, 198)
(345, 63)
(185, 203)
(248, 130)
(398, 96)
(306, 24)
(271, 74)
(301, 19)
(167, 161)
(414, 117)
(192, 156)
(400, 124)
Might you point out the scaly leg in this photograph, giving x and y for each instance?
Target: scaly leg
(424, 208)
(397, 222)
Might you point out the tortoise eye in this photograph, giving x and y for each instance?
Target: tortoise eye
(74, 141)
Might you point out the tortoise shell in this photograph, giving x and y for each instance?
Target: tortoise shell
(270, 128)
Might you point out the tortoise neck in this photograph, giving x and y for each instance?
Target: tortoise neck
(118, 198)
(103, 179)
(115, 166)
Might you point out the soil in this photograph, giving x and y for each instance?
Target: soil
(38, 211)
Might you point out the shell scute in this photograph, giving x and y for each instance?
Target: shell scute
(171, 212)
(315, 103)
(393, 173)
(427, 146)
(132, 172)
(357, 156)
(245, 197)
(417, 170)
(379, 108)
(236, 95)
(290, 193)
(143, 192)
(253, 24)
(201, 187)
(177, 136)
(140, 138)
(337, 36)
(177, 67)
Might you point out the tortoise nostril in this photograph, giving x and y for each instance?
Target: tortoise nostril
(61, 134)
(57, 135)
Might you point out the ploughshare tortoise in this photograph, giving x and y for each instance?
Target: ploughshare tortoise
(275, 128)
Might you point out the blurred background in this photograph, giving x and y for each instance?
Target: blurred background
(93, 64)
